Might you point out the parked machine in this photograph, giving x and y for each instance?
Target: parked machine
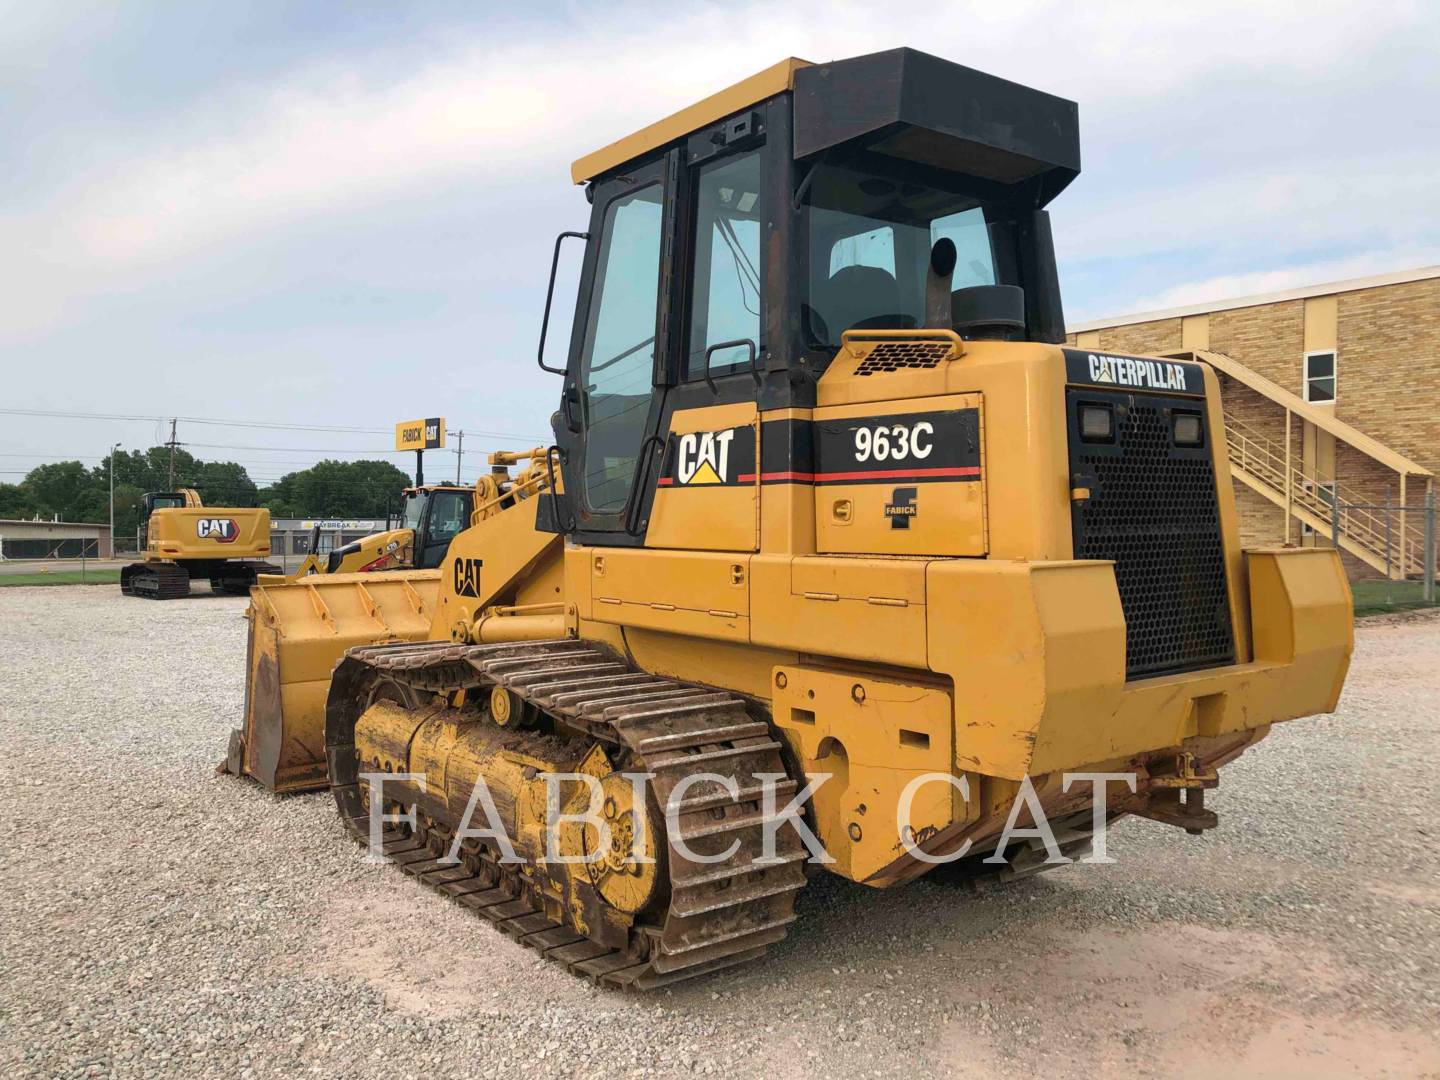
(182, 539)
(430, 517)
(838, 502)
(301, 624)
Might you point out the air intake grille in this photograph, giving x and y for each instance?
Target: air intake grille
(894, 355)
(1153, 510)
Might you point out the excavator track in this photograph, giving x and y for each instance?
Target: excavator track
(718, 913)
(155, 581)
(236, 579)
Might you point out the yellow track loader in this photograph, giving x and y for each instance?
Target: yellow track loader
(855, 564)
(430, 517)
(183, 539)
(301, 624)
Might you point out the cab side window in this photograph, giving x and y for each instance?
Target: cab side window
(449, 511)
(618, 361)
(725, 298)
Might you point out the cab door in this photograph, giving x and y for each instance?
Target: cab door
(613, 386)
(708, 490)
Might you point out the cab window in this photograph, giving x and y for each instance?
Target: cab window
(618, 361)
(725, 298)
(868, 241)
(449, 511)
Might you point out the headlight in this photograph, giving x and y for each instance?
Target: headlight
(1188, 430)
(1097, 423)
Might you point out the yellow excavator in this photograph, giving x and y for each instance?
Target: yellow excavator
(182, 539)
(851, 563)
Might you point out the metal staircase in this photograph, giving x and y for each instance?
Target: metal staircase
(1390, 541)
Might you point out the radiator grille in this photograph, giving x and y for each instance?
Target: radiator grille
(1153, 510)
(894, 355)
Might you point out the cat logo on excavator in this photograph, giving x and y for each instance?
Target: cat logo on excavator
(222, 530)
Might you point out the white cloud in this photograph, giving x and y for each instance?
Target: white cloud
(1276, 205)
(344, 135)
(1234, 286)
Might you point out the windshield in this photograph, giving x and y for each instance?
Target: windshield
(869, 242)
(413, 510)
(449, 513)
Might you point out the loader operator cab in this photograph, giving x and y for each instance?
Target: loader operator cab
(731, 246)
(436, 515)
(868, 240)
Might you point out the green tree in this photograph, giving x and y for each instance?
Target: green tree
(16, 502)
(59, 489)
(157, 471)
(75, 493)
(224, 483)
(354, 489)
(348, 489)
(127, 511)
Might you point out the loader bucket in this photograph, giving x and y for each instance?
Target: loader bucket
(299, 630)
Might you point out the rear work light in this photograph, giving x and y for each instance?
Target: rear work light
(1188, 430)
(1097, 423)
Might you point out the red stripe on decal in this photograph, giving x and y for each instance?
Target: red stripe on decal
(939, 472)
(896, 474)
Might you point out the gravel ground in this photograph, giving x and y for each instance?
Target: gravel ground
(160, 920)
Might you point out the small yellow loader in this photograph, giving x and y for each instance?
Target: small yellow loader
(850, 547)
(376, 590)
(183, 539)
(430, 517)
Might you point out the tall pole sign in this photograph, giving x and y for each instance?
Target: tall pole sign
(420, 435)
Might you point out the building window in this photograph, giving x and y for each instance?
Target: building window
(1320, 377)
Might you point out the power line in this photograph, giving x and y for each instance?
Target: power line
(259, 424)
(295, 449)
(58, 456)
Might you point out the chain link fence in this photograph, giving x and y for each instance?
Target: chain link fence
(49, 548)
(1399, 553)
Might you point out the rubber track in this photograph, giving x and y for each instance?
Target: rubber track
(237, 579)
(155, 581)
(719, 913)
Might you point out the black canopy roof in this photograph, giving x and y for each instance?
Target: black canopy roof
(915, 107)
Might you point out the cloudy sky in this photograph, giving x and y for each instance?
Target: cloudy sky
(341, 214)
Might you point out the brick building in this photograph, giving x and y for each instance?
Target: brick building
(1331, 395)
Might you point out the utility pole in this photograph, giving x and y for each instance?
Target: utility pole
(459, 452)
(172, 444)
(112, 498)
